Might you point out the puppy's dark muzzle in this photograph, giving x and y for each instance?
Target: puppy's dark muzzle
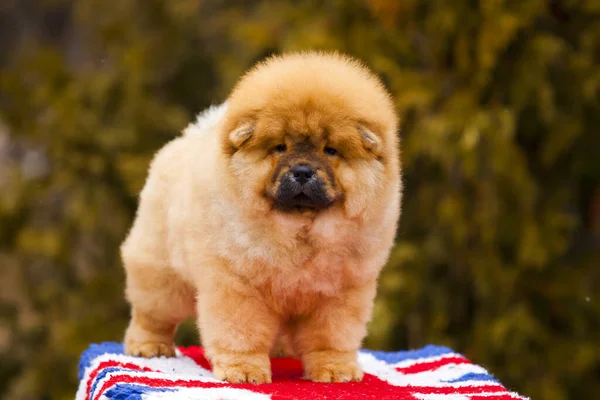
(301, 187)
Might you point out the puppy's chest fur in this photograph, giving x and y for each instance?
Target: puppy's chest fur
(302, 264)
(308, 276)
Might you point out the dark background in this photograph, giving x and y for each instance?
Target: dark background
(498, 252)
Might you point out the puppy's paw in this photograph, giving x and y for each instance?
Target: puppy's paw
(242, 374)
(149, 349)
(149, 337)
(330, 366)
(242, 368)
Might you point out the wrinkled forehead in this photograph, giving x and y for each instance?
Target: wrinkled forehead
(303, 127)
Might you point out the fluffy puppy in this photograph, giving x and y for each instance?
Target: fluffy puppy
(270, 219)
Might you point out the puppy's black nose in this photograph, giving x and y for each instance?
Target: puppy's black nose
(302, 173)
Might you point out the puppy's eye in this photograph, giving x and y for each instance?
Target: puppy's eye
(330, 151)
(280, 148)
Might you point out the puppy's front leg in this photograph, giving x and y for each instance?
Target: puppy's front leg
(330, 337)
(237, 330)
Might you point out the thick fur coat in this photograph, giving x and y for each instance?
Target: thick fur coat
(269, 220)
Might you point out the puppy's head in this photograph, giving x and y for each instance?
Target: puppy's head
(307, 132)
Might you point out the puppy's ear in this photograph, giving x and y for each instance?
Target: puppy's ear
(241, 134)
(370, 140)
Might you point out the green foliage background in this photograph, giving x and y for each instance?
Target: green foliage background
(498, 252)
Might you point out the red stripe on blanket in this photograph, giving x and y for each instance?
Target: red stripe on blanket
(154, 382)
(108, 364)
(428, 366)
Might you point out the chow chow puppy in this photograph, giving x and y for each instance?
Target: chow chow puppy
(270, 219)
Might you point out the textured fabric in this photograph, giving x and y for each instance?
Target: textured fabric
(430, 373)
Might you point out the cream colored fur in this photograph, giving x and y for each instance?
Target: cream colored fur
(207, 241)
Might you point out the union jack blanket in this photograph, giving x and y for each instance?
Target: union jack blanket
(430, 373)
